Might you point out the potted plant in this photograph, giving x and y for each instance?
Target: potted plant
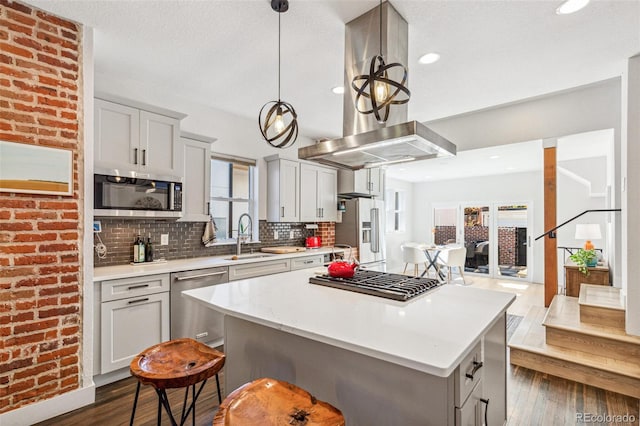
(583, 259)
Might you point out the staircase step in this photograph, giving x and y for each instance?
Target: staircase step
(602, 305)
(527, 348)
(563, 328)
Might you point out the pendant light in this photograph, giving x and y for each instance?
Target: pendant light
(278, 120)
(378, 88)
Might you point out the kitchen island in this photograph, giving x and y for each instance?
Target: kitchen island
(427, 361)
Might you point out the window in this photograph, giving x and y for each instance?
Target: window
(233, 192)
(396, 210)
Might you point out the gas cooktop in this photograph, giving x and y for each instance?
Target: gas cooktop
(381, 284)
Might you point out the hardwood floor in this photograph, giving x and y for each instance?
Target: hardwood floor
(533, 398)
(539, 399)
(114, 402)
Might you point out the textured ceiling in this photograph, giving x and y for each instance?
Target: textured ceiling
(224, 53)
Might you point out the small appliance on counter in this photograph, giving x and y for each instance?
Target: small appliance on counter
(313, 242)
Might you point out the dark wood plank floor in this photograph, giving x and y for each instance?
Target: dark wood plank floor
(114, 402)
(534, 399)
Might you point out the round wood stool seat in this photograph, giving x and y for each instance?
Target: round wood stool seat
(270, 402)
(178, 363)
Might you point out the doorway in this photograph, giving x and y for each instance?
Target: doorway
(497, 236)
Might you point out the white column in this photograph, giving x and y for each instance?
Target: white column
(631, 192)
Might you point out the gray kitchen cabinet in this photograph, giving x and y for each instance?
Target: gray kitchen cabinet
(197, 177)
(364, 182)
(129, 139)
(307, 262)
(318, 193)
(256, 269)
(134, 314)
(283, 190)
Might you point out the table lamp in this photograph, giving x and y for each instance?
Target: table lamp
(588, 231)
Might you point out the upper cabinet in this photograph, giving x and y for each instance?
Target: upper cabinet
(197, 177)
(130, 139)
(363, 182)
(318, 193)
(283, 189)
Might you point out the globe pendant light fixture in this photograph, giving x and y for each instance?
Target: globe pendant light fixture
(277, 119)
(378, 88)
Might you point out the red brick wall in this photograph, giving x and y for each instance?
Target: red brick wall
(327, 233)
(40, 235)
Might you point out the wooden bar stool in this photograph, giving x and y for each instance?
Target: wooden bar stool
(178, 363)
(270, 402)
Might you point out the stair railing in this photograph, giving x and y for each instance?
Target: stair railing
(552, 232)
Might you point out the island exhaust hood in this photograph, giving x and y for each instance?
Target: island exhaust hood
(365, 142)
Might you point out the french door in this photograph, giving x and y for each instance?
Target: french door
(497, 236)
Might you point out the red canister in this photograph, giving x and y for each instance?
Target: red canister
(313, 242)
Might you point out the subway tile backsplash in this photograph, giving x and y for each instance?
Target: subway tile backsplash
(185, 239)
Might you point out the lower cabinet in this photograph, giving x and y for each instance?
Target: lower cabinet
(256, 269)
(307, 262)
(131, 325)
(134, 314)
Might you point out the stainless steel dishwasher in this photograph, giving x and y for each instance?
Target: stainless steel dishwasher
(191, 319)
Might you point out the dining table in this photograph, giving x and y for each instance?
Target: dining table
(432, 252)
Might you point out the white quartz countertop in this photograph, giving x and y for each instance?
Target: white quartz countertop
(431, 333)
(128, 271)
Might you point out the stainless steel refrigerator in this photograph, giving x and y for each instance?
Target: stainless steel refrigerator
(362, 227)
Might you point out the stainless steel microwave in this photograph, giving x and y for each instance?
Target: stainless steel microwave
(136, 197)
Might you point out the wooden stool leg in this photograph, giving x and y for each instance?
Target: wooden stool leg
(135, 404)
(218, 386)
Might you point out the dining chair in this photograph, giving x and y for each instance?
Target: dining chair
(412, 253)
(453, 258)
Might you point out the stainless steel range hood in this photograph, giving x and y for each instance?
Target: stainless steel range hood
(365, 142)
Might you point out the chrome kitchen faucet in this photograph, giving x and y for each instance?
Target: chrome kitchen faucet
(239, 242)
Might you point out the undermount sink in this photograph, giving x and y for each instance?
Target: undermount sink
(249, 256)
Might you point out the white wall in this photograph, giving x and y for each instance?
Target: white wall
(395, 238)
(516, 187)
(593, 170)
(573, 198)
(235, 135)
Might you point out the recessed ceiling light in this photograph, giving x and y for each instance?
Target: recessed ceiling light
(429, 58)
(338, 90)
(493, 157)
(571, 6)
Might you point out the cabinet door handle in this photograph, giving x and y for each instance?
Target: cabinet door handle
(476, 366)
(135, 156)
(486, 410)
(282, 214)
(322, 212)
(209, 274)
(130, 302)
(144, 157)
(306, 262)
(208, 208)
(133, 287)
